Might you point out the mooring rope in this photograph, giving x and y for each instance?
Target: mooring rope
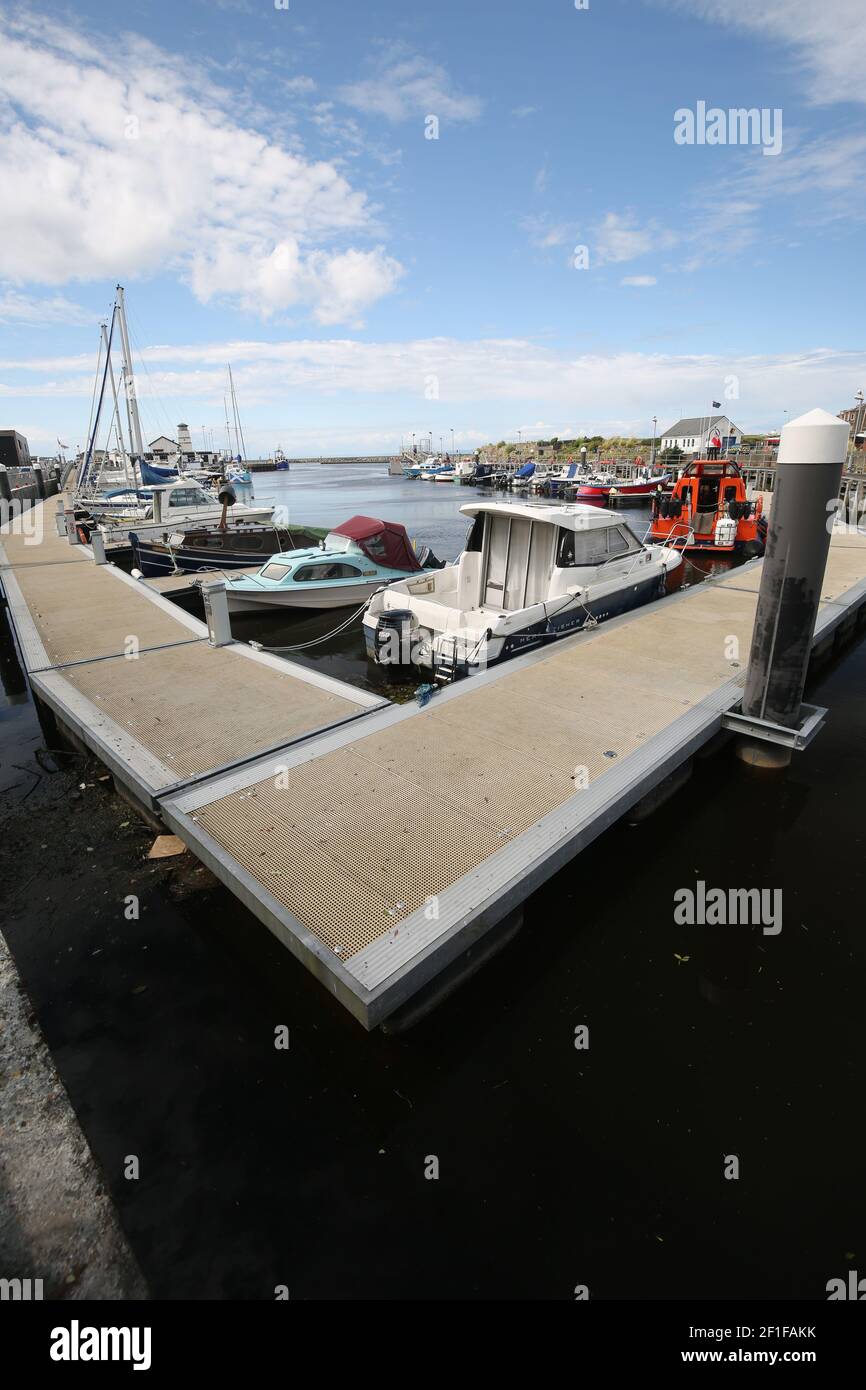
(302, 646)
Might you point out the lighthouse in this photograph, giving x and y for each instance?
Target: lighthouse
(184, 442)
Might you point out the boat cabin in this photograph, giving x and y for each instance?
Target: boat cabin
(519, 556)
(709, 509)
(530, 572)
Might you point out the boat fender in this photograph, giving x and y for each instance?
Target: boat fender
(83, 532)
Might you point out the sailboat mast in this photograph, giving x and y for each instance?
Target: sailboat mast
(117, 422)
(129, 381)
(84, 475)
(239, 434)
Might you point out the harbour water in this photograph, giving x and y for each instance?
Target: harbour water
(601, 1166)
(313, 495)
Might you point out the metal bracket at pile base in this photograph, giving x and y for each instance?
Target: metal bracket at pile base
(812, 721)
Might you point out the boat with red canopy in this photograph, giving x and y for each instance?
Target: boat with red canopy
(353, 561)
(709, 509)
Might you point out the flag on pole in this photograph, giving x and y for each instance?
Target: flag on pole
(717, 405)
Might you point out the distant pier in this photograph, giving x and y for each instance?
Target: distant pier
(268, 465)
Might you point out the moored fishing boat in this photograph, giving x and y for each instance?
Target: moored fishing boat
(529, 574)
(710, 510)
(208, 548)
(602, 488)
(523, 478)
(555, 484)
(160, 511)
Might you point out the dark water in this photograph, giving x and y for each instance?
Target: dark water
(557, 1166)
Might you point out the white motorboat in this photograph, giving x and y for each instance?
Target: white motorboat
(154, 512)
(350, 564)
(530, 573)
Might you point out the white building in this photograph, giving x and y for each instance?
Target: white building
(693, 435)
(163, 448)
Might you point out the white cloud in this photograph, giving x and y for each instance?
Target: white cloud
(27, 309)
(543, 233)
(639, 280)
(831, 165)
(482, 380)
(817, 182)
(297, 85)
(521, 112)
(620, 238)
(406, 84)
(826, 39)
(128, 161)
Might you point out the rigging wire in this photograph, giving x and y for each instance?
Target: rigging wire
(95, 384)
(156, 402)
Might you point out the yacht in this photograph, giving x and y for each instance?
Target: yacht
(530, 573)
(154, 512)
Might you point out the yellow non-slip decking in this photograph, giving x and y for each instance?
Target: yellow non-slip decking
(385, 849)
(119, 662)
(379, 848)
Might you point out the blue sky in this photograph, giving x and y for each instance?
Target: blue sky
(260, 181)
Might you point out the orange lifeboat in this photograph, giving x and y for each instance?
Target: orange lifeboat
(708, 510)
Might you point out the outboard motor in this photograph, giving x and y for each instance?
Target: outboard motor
(427, 560)
(394, 637)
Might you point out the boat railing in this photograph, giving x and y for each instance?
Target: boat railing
(679, 536)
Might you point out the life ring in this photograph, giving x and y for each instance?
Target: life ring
(83, 532)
